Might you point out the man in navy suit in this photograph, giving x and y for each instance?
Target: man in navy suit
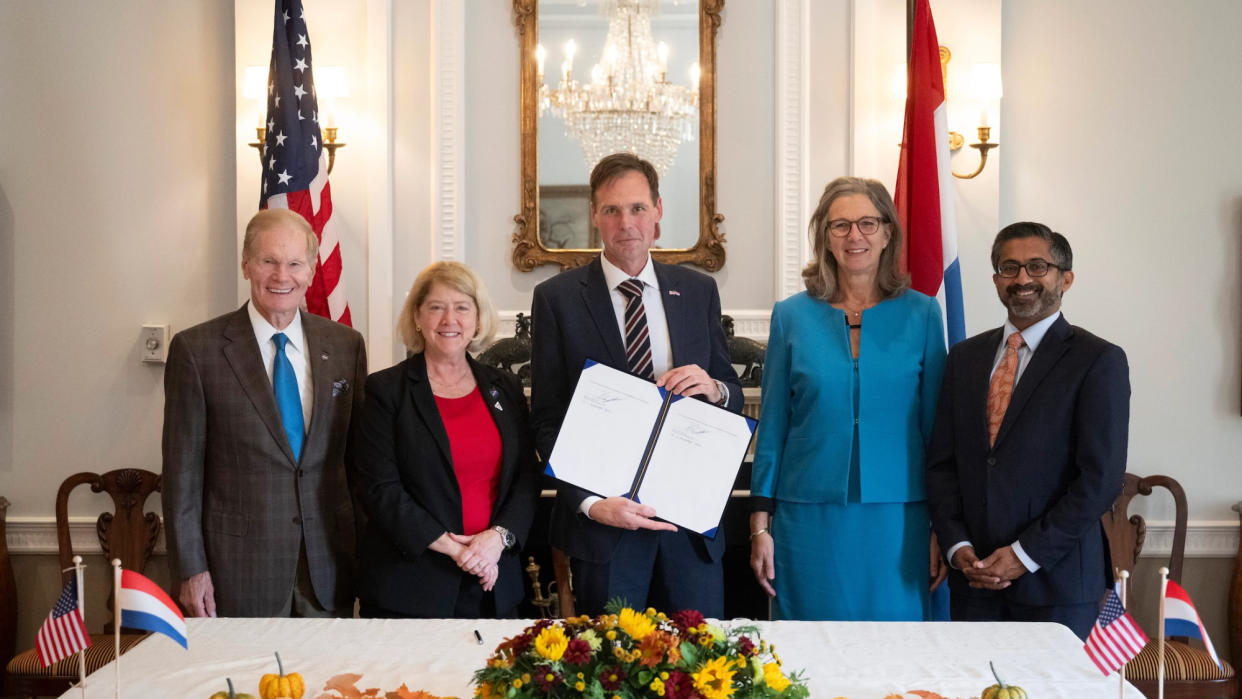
(655, 320)
(1029, 448)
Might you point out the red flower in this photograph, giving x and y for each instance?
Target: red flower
(679, 685)
(687, 619)
(610, 678)
(745, 647)
(547, 678)
(578, 652)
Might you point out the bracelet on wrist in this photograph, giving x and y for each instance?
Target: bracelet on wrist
(757, 532)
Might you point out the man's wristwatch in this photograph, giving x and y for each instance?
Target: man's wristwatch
(723, 390)
(506, 536)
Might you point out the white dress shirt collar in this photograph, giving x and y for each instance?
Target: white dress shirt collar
(614, 275)
(264, 330)
(1034, 334)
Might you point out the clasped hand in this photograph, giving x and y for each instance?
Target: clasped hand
(476, 554)
(996, 572)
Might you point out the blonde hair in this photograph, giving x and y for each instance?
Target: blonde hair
(820, 275)
(457, 277)
(267, 219)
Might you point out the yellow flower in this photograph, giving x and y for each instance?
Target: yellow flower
(579, 685)
(526, 677)
(517, 682)
(636, 624)
(657, 686)
(774, 678)
(551, 643)
(611, 635)
(715, 679)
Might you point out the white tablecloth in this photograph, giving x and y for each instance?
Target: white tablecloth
(853, 660)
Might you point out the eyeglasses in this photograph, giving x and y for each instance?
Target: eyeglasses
(1034, 268)
(867, 225)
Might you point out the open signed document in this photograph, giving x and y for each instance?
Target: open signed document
(624, 436)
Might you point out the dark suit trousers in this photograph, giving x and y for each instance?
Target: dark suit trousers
(664, 570)
(994, 607)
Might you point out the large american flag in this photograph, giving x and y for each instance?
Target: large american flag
(1115, 638)
(64, 631)
(295, 171)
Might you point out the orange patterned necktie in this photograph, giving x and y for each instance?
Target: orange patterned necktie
(1001, 389)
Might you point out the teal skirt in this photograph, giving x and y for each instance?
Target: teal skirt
(851, 562)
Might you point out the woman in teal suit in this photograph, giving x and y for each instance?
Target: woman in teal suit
(840, 528)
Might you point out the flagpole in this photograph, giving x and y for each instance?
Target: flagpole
(1164, 584)
(116, 622)
(1121, 682)
(77, 572)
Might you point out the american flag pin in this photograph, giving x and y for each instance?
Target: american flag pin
(323, 355)
(493, 392)
(674, 292)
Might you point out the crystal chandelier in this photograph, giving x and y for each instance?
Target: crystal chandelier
(628, 105)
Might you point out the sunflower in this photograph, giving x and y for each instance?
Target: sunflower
(551, 643)
(636, 624)
(715, 679)
(774, 678)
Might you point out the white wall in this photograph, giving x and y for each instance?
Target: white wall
(1121, 132)
(116, 191)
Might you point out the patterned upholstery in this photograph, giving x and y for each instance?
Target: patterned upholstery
(1181, 662)
(26, 674)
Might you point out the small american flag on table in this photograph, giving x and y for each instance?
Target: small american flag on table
(1115, 638)
(64, 631)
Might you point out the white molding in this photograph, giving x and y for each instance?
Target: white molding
(791, 146)
(448, 124)
(37, 536)
(747, 322)
(379, 183)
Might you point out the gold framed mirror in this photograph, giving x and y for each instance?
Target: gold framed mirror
(555, 237)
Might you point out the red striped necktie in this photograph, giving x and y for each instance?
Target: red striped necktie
(637, 339)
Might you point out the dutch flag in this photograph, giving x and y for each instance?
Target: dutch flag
(1181, 619)
(924, 192)
(145, 606)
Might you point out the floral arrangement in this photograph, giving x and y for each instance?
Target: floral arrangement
(628, 654)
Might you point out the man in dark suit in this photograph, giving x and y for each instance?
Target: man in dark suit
(657, 321)
(1029, 448)
(257, 407)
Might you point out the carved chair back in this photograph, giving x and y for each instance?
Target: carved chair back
(1127, 533)
(126, 533)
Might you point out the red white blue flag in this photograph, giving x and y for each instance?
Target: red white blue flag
(1115, 638)
(63, 633)
(295, 170)
(924, 192)
(1181, 619)
(143, 605)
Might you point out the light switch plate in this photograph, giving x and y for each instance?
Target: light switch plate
(153, 343)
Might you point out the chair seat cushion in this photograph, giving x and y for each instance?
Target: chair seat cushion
(100, 653)
(1181, 662)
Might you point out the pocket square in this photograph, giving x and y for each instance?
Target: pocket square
(340, 386)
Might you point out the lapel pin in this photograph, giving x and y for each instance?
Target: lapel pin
(323, 355)
(498, 407)
(674, 292)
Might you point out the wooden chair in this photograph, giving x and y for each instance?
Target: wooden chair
(126, 533)
(1189, 673)
(8, 596)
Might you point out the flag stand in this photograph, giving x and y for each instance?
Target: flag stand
(1164, 585)
(1121, 681)
(116, 622)
(77, 572)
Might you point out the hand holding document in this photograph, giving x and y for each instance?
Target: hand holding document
(624, 436)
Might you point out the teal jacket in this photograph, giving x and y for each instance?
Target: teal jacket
(806, 426)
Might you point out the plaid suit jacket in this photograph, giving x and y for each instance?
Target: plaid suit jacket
(236, 503)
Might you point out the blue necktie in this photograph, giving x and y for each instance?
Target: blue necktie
(285, 382)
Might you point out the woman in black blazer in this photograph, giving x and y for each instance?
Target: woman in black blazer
(443, 464)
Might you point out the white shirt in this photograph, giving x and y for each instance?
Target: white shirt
(295, 350)
(657, 326)
(653, 305)
(1032, 336)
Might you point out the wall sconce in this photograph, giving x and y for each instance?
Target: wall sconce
(985, 88)
(330, 83)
